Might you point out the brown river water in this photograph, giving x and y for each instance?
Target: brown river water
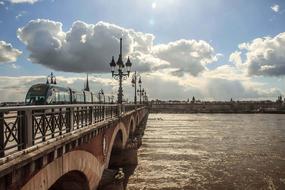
(211, 151)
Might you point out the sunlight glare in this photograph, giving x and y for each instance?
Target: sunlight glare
(153, 5)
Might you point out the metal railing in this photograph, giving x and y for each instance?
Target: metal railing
(24, 126)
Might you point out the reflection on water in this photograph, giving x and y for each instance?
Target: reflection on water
(218, 151)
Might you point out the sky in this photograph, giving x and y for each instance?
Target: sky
(213, 50)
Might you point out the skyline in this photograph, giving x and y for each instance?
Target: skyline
(211, 50)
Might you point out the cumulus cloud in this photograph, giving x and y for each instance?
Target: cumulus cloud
(187, 56)
(23, 1)
(235, 57)
(207, 87)
(8, 53)
(275, 8)
(84, 48)
(222, 89)
(88, 48)
(263, 56)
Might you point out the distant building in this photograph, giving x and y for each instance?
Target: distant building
(86, 88)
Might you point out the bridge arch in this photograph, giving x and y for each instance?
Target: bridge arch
(132, 127)
(118, 141)
(72, 180)
(80, 162)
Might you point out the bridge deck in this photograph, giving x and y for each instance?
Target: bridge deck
(33, 136)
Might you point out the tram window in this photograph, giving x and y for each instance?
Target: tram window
(81, 98)
(32, 99)
(88, 98)
(36, 95)
(74, 100)
(57, 97)
(61, 97)
(50, 97)
(78, 98)
(95, 99)
(65, 96)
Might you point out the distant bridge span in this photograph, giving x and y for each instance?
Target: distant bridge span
(69, 146)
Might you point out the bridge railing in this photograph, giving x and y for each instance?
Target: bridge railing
(25, 126)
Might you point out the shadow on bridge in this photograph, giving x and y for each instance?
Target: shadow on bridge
(74, 180)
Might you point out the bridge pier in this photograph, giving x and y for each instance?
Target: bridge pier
(127, 160)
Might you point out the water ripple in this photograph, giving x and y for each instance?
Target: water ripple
(218, 151)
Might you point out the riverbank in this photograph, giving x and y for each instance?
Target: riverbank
(220, 107)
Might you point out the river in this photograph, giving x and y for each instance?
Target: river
(211, 151)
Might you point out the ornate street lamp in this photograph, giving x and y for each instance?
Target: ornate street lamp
(144, 97)
(140, 91)
(134, 84)
(101, 92)
(119, 74)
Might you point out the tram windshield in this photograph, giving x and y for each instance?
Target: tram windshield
(36, 94)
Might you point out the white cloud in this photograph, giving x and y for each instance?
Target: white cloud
(211, 85)
(187, 56)
(23, 1)
(263, 56)
(229, 72)
(88, 48)
(175, 70)
(2, 3)
(236, 58)
(275, 8)
(84, 48)
(8, 53)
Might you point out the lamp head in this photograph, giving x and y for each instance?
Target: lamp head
(133, 80)
(113, 65)
(120, 62)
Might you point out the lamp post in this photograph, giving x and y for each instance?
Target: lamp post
(111, 99)
(144, 97)
(101, 92)
(120, 74)
(140, 91)
(134, 84)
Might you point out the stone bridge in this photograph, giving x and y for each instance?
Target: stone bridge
(87, 146)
